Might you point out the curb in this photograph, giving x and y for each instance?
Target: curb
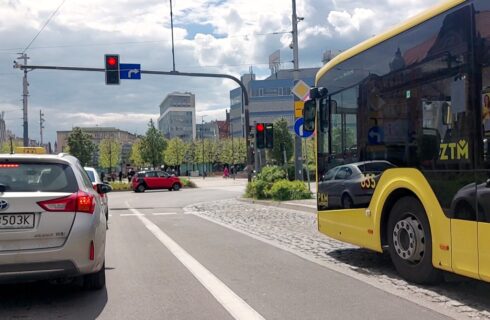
(280, 204)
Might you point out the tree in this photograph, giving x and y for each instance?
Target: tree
(308, 147)
(190, 154)
(282, 141)
(153, 145)
(135, 157)
(5, 147)
(174, 155)
(80, 145)
(240, 150)
(109, 153)
(226, 150)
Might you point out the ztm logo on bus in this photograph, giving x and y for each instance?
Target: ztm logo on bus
(454, 150)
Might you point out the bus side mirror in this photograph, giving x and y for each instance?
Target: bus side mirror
(309, 115)
(446, 114)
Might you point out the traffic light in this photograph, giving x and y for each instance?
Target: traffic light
(260, 135)
(269, 135)
(111, 69)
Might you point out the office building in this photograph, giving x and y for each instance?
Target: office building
(269, 99)
(178, 116)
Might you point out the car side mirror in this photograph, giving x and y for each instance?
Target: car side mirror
(103, 188)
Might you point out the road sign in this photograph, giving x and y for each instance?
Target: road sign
(376, 135)
(301, 90)
(298, 128)
(130, 71)
(298, 109)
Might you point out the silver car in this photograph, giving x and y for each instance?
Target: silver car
(52, 224)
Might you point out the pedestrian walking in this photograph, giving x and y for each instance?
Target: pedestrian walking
(226, 173)
(120, 176)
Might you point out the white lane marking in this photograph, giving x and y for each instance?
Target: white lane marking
(163, 213)
(340, 269)
(235, 305)
(110, 215)
(131, 214)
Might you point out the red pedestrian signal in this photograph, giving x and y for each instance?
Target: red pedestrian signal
(260, 135)
(112, 69)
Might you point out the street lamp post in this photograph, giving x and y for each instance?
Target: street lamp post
(202, 138)
(232, 151)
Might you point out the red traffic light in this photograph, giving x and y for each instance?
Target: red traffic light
(260, 127)
(112, 61)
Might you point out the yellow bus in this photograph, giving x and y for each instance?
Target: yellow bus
(403, 143)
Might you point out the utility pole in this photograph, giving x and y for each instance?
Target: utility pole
(25, 94)
(298, 157)
(41, 125)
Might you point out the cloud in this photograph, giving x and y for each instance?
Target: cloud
(210, 36)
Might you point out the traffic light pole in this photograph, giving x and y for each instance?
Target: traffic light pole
(298, 158)
(26, 68)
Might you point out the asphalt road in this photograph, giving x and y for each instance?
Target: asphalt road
(164, 264)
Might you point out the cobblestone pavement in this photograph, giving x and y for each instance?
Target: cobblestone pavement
(297, 232)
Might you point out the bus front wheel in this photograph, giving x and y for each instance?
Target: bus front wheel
(410, 242)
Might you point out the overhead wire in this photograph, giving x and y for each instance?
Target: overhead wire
(44, 26)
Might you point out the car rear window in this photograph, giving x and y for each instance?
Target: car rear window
(90, 175)
(32, 177)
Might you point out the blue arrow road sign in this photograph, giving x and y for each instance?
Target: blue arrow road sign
(298, 128)
(130, 71)
(376, 135)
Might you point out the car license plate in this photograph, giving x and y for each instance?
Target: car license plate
(17, 221)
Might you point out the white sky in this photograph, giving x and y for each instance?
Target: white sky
(210, 36)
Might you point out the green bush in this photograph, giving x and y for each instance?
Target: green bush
(261, 186)
(289, 190)
(120, 186)
(188, 183)
(271, 174)
(258, 189)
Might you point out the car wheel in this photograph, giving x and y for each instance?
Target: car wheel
(141, 188)
(176, 187)
(410, 242)
(95, 281)
(347, 202)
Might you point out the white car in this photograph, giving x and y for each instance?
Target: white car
(96, 180)
(52, 223)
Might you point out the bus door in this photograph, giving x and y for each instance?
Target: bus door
(483, 188)
(482, 55)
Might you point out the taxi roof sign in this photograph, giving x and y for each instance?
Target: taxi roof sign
(30, 150)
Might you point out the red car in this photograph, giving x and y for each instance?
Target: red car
(150, 180)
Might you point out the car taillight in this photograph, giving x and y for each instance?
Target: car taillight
(85, 202)
(79, 202)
